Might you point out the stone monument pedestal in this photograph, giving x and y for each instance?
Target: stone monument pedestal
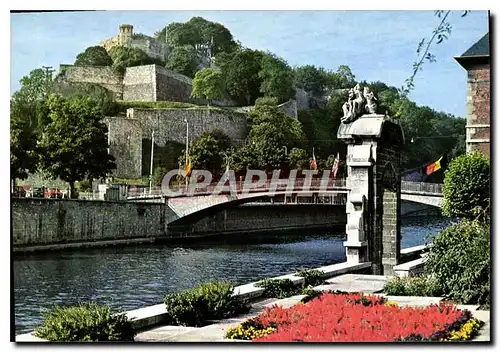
(374, 200)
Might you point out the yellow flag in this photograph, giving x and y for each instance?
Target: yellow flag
(188, 166)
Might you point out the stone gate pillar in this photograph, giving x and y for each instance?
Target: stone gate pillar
(374, 200)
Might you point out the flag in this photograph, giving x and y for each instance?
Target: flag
(435, 166)
(313, 162)
(188, 165)
(335, 167)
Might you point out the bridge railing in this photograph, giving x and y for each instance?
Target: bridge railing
(422, 187)
(298, 185)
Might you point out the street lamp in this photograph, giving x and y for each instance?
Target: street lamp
(286, 150)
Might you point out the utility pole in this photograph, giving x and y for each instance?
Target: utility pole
(151, 167)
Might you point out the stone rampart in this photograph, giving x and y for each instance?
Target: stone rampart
(103, 76)
(130, 138)
(139, 83)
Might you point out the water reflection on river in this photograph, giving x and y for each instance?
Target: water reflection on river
(132, 277)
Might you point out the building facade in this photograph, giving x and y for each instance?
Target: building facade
(476, 60)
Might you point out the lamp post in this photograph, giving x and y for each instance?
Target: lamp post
(286, 150)
(151, 166)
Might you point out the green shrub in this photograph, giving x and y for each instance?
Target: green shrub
(466, 188)
(266, 101)
(85, 322)
(122, 106)
(312, 277)
(209, 301)
(278, 288)
(459, 258)
(426, 286)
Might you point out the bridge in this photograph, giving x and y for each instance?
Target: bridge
(196, 203)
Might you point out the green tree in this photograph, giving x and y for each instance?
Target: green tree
(311, 79)
(343, 78)
(183, 59)
(466, 188)
(94, 56)
(298, 159)
(208, 84)
(22, 144)
(26, 111)
(124, 57)
(208, 38)
(242, 76)
(209, 151)
(271, 131)
(74, 142)
(277, 78)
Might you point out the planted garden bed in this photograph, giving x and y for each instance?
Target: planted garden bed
(348, 317)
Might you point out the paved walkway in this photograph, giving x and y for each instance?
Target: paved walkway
(349, 283)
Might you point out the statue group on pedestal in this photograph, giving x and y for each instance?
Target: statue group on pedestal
(358, 103)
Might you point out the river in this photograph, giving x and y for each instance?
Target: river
(132, 277)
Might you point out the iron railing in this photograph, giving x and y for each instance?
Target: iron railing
(422, 187)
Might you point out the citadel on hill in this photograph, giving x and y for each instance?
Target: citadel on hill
(130, 136)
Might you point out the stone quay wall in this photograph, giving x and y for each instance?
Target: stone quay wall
(42, 224)
(270, 217)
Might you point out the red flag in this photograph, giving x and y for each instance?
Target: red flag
(335, 167)
(313, 164)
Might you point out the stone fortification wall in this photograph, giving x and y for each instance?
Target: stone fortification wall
(173, 86)
(169, 124)
(302, 98)
(103, 76)
(130, 138)
(139, 83)
(289, 108)
(125, 144)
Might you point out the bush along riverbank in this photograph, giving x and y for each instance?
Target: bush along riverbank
(355, 317)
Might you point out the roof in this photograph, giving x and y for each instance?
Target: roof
(481, 48)
(479, 53)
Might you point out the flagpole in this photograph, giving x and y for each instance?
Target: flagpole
(187, 148)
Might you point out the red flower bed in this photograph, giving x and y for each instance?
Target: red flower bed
(355, 318)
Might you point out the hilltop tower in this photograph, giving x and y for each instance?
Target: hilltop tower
(125, 36)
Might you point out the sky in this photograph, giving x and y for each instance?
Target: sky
(376, 45)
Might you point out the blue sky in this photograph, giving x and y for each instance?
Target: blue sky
(376, 45)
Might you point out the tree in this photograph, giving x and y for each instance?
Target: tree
(26, 109)
(208, 152)
(440, 33)
(208, 38)
(124, 57)
(242, 76)
(271, 131)
(74, 142)
(277, 78)
(183, 59)
(466, 188)
(311, 79)
(208, 84)
(94, 56)
(298, 159)
(343, 78)
(22, 144)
